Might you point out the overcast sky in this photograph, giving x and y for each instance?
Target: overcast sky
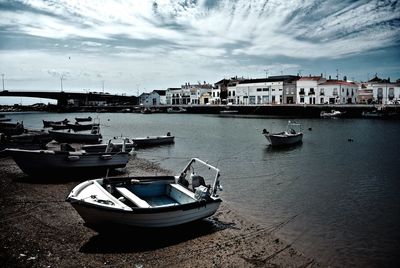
(144, 45)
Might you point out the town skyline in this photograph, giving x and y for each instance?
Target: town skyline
(137, 47)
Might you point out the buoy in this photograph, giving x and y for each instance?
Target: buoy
(350, 140)
(310, 128)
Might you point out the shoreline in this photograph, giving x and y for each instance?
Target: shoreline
(40, 229)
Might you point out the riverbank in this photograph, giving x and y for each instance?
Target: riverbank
(39, 229)
(267, 110)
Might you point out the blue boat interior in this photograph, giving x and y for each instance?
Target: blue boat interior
(156, 194)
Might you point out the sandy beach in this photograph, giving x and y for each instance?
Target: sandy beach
(39, 229)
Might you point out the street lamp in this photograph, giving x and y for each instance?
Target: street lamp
(61, 80)
(2, 78)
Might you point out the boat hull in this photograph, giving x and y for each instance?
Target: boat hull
(151, 217)
(97, 148)
(152, 141)
(75, 137)
(48, 163)
(284, 140)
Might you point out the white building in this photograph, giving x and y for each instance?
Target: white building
(337, 92)
(173, 95)
(384, 91)
(306, 89)
(259, 91)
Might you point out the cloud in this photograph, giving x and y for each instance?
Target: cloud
(306, 28)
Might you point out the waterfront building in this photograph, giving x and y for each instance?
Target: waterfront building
(154, 98)
(266, 90)
(191, 93)
(219, 91)
(365, 94)
(336, 92)
(306, 88)
(383, 91)
(172, 96)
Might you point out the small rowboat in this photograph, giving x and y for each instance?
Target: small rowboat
(83, 119)
(288, 137)
(159, 201)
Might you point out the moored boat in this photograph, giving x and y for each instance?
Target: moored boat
(331, 114)
(81, 127)
(288, 137)
(153, 140)
(53, 123)
(50, 163)
(159, 201)
(83, 119)
(176, 110)
(67, 136)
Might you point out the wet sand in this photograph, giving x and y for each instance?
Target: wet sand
(39, 229)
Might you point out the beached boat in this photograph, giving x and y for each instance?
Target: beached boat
(47, 124)
(176, 110)
(50, 163)
(373, 114)
(288, 137)
(67, 136)
(115, 147)
(332, 113)
(153, 140)
(9, 129)
(83, 119)
(159, 201)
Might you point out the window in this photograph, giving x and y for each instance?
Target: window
(301, 99)
(311, 91)
(217, 93)
(266, 89)
(280, 89)
(302, 92)
(259, 89)
(335, 91)
(273, 99)
(233, 93)
(214, 94)
(252, 100)
(265, 99)
(229, 93)
(321, 92)
(273, 89)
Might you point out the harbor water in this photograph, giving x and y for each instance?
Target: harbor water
(335, 197)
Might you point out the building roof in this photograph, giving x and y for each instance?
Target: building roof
(284, 78)
(174, 88)
(339, 82)
(310, 78)
(160, 92)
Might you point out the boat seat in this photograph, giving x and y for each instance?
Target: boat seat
(182, 189)
(132, 197)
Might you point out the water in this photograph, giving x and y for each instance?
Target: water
(340, 199)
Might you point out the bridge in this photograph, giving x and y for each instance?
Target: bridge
(75, 99)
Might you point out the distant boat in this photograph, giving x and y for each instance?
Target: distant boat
(153, 140)
(288, 137)
(66, 136)
(176, 110)
(146, 111)
(156, 201)
(332, 113)
(83, 119)
(49, 163)
(52, 123)
(373, 114)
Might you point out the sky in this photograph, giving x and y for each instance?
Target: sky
(137, 46)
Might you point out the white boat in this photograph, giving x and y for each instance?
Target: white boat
(332, 113)
(51, 163)
(176, 110)
(160, 201)
(67, 136)
(288, 137)
(153, 140)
